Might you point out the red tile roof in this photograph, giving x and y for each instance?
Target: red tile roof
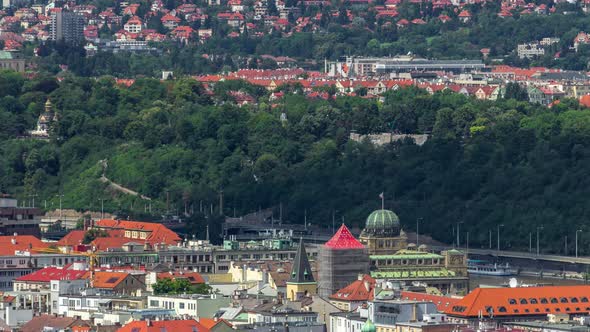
(158, 232)
(523, 301)
(189, 325)
(72, 238)
(343, 239)
(442, 302)
(53, 273)
(357, 291)
(108, 279)
(10, 244)
(192, 277)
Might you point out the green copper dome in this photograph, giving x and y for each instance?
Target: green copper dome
(383, 222)
(368, 326)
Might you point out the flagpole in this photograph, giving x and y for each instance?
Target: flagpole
(382, 201)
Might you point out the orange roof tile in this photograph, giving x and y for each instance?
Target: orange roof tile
(192, 277)
(10, 244)
(356, 291)
(158, 233)
(189, 325)
(108, 279)
(523, 301)
(441, 302)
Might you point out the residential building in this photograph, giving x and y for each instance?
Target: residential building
(54, 323)
(67, 27)
(354, 295)
(163, 325)
(521, 303)
(133, 25)
(146, 232)
(193, 305)
(18, 220)
(118, 282)
(530, 50)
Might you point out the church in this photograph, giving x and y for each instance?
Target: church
(46, 119)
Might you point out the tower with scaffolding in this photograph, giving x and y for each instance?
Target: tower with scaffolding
(341, 260)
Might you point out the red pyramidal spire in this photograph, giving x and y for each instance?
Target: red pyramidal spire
(343, 239)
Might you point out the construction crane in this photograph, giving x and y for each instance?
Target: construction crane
(91, 257)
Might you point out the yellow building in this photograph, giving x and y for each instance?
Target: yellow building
(301, 283)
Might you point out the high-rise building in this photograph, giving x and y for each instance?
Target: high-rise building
(67, 27)
(341, 260)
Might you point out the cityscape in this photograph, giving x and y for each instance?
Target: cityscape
(294, 165)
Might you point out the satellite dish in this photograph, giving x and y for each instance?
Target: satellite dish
(513, 283)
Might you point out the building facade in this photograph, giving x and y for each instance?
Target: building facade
(67, 27)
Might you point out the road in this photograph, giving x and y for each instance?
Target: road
(524, 255)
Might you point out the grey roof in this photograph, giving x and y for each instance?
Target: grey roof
(301, 271)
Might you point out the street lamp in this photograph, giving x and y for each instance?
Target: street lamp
(538, 229)
(418, 220)
(577, 231)
(101, 208)
(501, 225)
(60, 211)
(458, 234)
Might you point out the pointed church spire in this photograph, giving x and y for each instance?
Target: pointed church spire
(301, 271)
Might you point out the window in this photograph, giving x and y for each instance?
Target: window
(515, 311)
(512, 301)
(583, 299)
(557, 309)
(567, 309)
(563, 300)
(574, 300)
(523, 301)
(533, 300)
(543, 300)
(526, 310)
(547, 310)
(502, 309)
(537, 310)
(554, 300)
(181, 305)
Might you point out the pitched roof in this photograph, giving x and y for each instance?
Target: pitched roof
(188, 325)
(72, 238)
(10, 244)
(301, 271)
(442, 302)
(158, 232)
(108, 279)
(192, 277)
(343, 239)
(39, 323)
(357, 290)
(53, 273)
(523, 301)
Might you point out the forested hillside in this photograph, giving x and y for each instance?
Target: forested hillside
(487, 163)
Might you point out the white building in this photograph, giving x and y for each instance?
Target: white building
(530, 50)
(198, 306)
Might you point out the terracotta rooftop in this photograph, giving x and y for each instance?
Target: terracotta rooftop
(357, 290)
(523, 301)
(442, 302)
(53, 273)
(10, 244)
(188, 325)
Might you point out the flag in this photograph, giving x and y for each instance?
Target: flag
(381, 195)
